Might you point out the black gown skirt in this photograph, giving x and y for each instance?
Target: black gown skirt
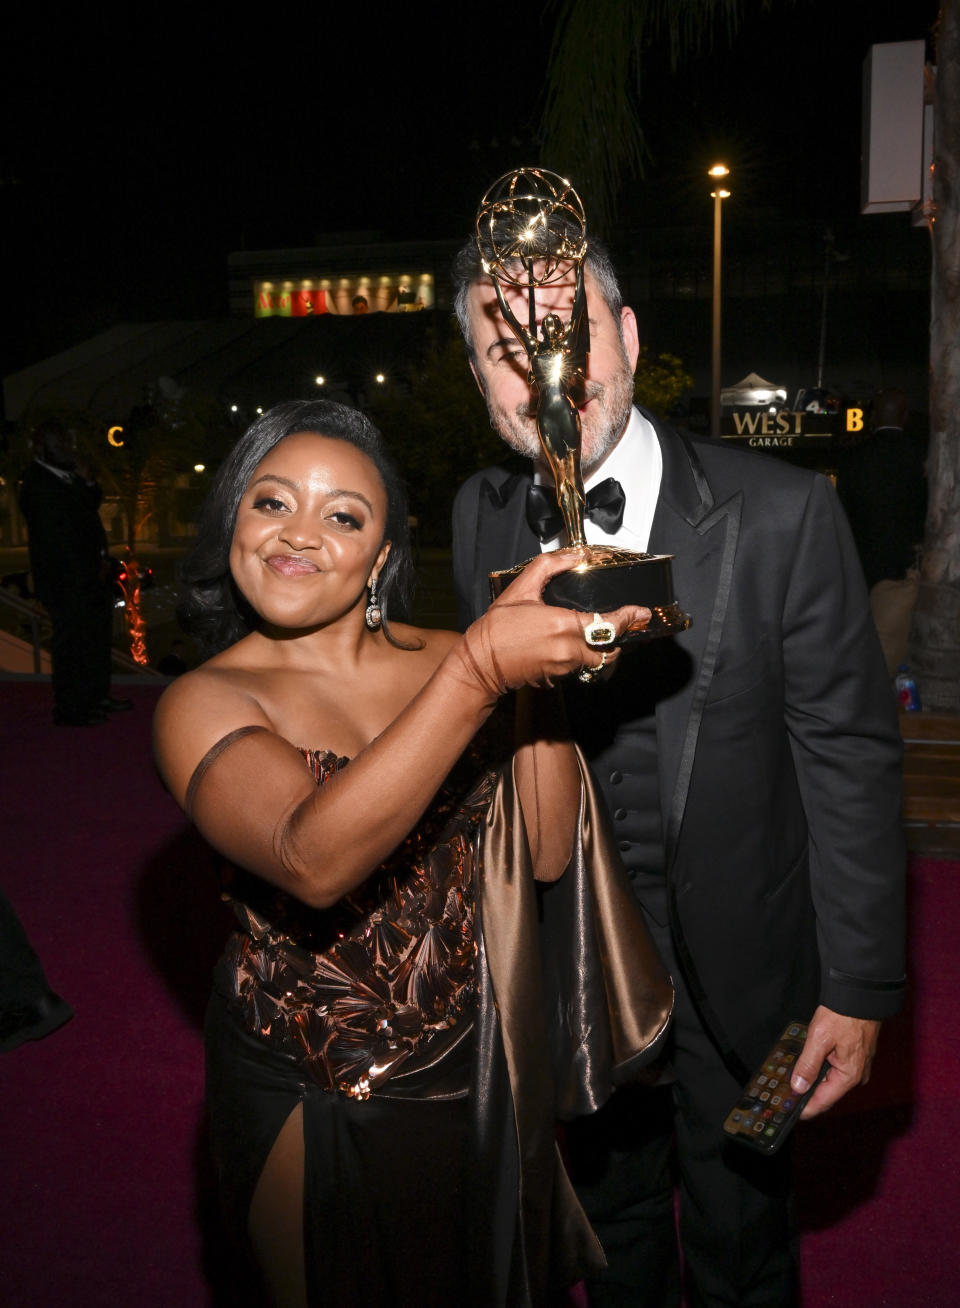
(387, 1200)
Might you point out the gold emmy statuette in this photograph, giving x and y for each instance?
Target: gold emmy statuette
(532, 233)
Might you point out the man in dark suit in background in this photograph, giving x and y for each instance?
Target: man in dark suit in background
(751, 771)
(883, 488)
(60, 499)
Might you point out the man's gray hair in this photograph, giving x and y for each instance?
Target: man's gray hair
(468, 268)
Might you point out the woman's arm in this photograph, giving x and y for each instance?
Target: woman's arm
(547, 777)
(257, 802)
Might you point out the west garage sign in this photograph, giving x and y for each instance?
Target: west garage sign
(753, 412)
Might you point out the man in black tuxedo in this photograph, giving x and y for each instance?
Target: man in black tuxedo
(60, 499)
(751, 770)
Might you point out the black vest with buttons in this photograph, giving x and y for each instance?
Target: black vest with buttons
(614, 723)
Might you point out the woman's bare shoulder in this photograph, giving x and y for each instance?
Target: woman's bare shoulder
(196, 712)
(223, 681)
(195, 688)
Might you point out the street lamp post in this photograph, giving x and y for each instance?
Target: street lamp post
(718, 196)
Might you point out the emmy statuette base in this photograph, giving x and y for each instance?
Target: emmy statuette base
(605, 579)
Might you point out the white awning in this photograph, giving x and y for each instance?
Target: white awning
(753, 390)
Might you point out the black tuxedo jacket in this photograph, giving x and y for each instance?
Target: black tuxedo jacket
(778, 752)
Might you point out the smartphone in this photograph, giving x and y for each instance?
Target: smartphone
(768, 1109)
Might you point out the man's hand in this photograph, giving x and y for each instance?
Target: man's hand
(848, 1044)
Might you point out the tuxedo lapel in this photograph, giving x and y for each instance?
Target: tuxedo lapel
(503, 534)
(702, 536)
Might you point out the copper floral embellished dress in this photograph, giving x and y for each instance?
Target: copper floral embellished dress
(431, 1174)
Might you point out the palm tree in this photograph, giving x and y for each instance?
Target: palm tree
(935, 640)
(591, 126)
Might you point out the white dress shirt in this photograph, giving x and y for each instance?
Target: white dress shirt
(637, 464)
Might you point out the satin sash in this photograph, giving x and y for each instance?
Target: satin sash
(583, 1003)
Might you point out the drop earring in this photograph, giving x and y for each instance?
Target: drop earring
(374, 614)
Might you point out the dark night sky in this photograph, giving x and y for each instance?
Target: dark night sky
(138, 153)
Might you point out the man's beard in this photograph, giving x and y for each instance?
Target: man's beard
(603, 422)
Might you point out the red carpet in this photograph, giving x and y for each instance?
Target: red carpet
(877, 1176)
(101, 1119)
(107, 1194)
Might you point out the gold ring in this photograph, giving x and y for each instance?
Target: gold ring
(599, 633)
(588, 674)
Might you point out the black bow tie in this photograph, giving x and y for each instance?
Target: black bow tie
(605, 503)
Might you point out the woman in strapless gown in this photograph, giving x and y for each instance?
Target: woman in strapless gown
(379, 1077)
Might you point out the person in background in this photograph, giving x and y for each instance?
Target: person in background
(60, 499)
(883, 488)
(29, 1009)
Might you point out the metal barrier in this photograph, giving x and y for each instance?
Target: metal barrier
(32, 612)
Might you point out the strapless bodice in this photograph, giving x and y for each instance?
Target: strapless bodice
(385, 977)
